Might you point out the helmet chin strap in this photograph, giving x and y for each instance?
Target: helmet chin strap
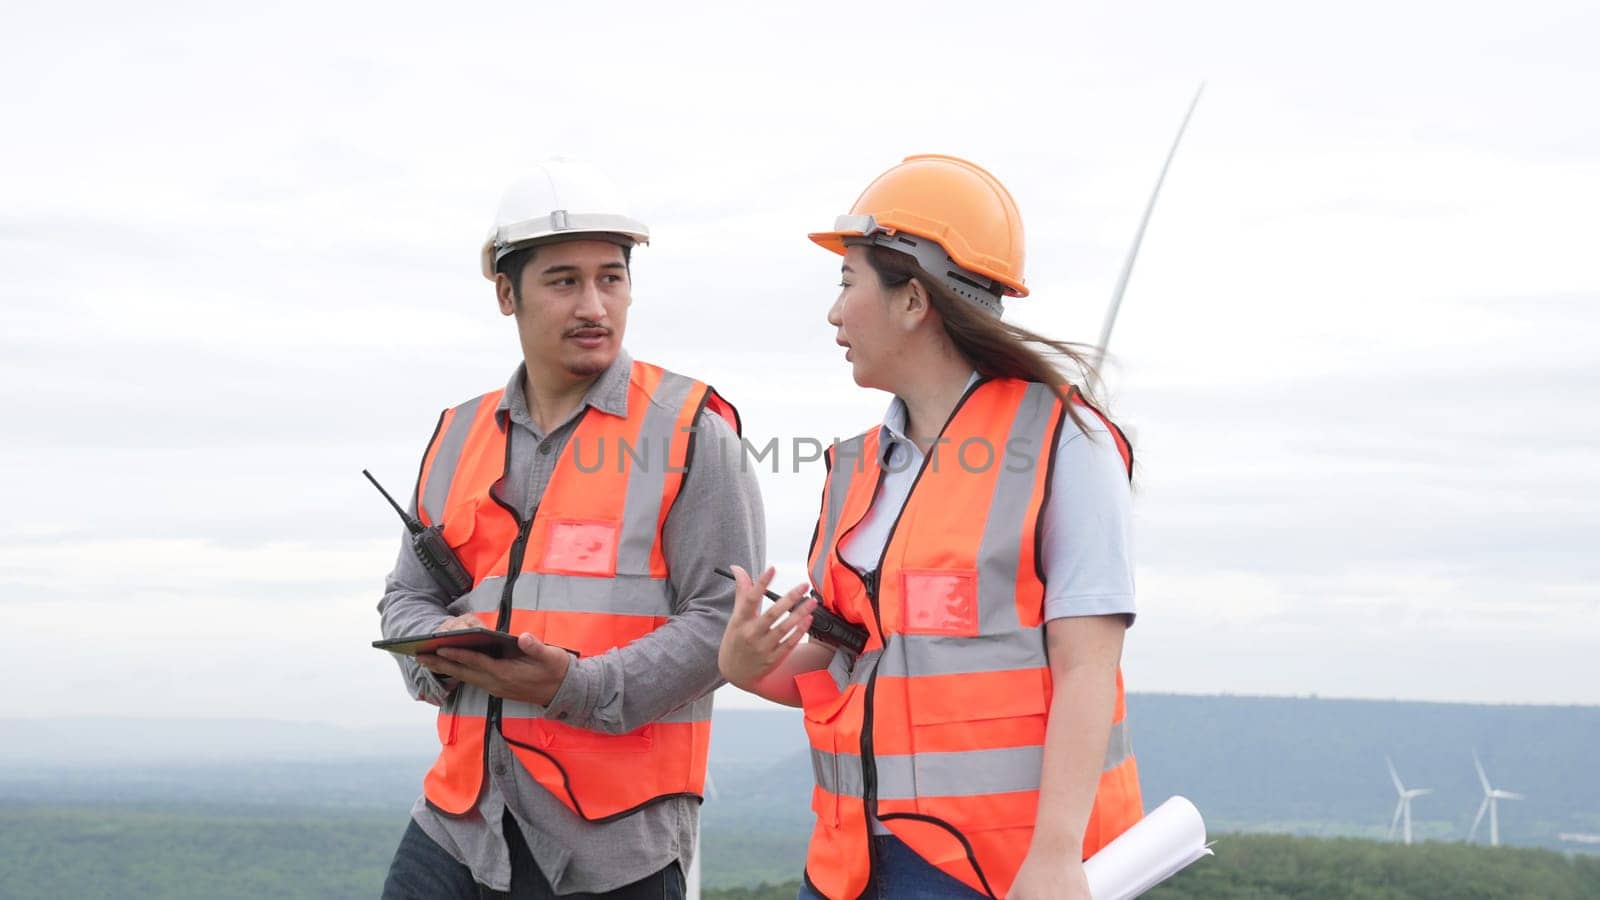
(982, 292)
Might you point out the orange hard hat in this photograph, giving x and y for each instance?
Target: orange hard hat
(957, 205)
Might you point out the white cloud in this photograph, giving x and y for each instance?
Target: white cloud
(237, 264)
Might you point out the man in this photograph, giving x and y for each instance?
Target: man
(590, 527)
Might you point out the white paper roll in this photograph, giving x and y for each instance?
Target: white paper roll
(1167, 839)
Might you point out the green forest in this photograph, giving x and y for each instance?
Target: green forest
(47, 854)
(122, 854)
(1276, 867)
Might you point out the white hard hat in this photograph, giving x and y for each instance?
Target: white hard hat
(561, 199)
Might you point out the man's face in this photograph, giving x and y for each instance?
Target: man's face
(574, 308)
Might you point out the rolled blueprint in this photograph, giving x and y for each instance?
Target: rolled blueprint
(1166, 840)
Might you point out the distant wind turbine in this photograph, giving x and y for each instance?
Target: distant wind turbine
(1138, 237)
(1404, 806)
(1490, 795)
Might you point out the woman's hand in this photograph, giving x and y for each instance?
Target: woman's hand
(756, 642)
(1049, 875)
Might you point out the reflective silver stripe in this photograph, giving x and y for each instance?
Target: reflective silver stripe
(619, 596)
(466, 700)
(854, 670)
(483, 598)
(839, 667)
(933, 654)
(1119, 748)
(838, 773)
(697, 711)
(647, 472)
(1001, 548)
(846, 461)
(437, 491)
(963, 774)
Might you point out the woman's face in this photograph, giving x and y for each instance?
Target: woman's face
(867, 328)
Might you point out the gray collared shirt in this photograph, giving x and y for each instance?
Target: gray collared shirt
(716, 520)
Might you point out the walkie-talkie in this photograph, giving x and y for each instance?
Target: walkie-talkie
(432, 551)
(827, 626)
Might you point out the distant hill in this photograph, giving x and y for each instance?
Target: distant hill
(1312, 766)
(1251, 764)
(742, 737)
(78, 741)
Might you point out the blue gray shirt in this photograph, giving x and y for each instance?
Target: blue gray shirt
(716, 520)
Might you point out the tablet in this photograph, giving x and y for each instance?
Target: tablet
(484, 640)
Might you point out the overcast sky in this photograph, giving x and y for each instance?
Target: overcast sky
(238, 264)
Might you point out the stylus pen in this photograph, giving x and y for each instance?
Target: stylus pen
(826, 625)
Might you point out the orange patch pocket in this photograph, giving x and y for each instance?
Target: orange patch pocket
(580, 547)
(939, 601)
(978, 746)
(545, 734)
(822, 704)
(460, 521)
(977, 710)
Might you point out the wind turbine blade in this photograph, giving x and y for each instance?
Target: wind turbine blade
(1481, 776)
(1138, 237)
(1478, 819)
(1394, 776)
(1507, 795)
(1396, 820)
(1418, 792)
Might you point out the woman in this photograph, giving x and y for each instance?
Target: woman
(976, 745)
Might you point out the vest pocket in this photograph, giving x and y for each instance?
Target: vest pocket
(977, 744)
(822, 705)
(581, 547)
(543, 734)
(460, 521)
(976, 697)
(939, 601)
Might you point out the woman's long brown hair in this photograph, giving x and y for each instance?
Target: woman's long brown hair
(996, 348)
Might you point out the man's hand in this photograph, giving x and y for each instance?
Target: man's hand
(459, 623)
(756, 642)
(534, 676)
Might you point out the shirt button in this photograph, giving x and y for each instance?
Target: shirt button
(499, 768)
(561, 715)
(544, 449)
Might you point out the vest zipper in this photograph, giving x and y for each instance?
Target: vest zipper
(450, 704)
(871, 581)
(519, 548)
(869, 772)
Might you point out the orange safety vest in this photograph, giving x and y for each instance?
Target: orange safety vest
(587, 573)
(938, 727)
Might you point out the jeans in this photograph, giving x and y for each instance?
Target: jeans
(423, 870)
(898, 873)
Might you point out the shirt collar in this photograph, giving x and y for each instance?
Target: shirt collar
(608, 394)
(894, 424)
